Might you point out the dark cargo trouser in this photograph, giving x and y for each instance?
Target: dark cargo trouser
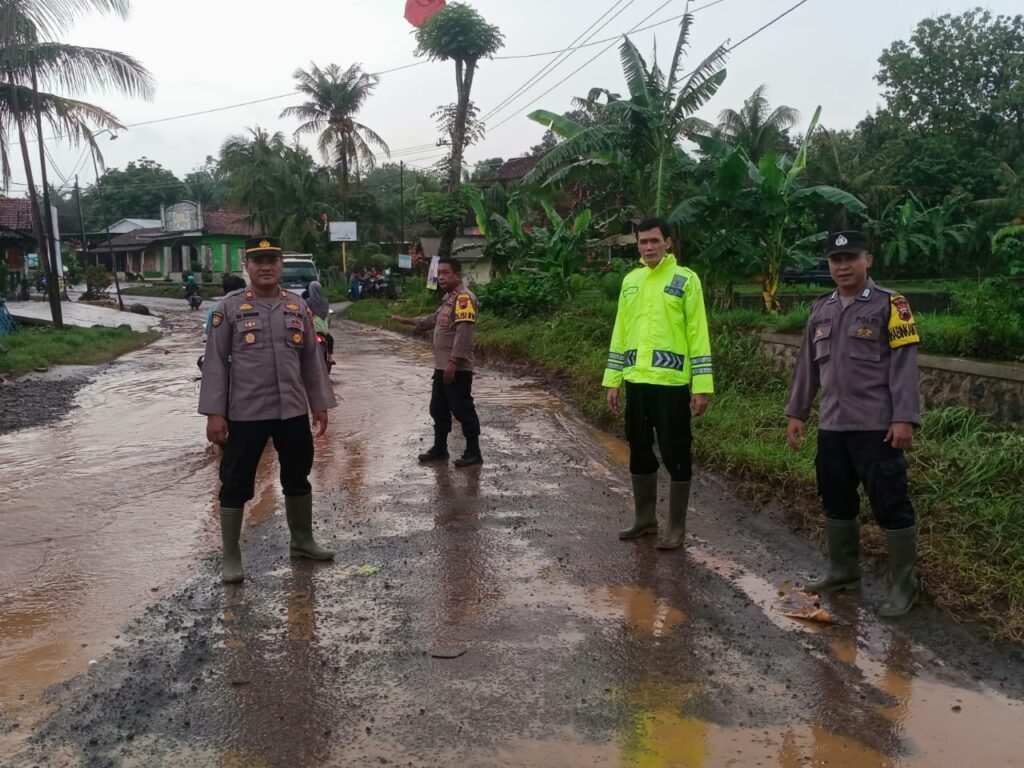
(846, 459)
(653, 408)
(293, 442)
(455, 399)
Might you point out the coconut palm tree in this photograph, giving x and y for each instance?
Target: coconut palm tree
(251, 164)
(636, 139)
(757, 127)
(26, 60)
(335, 98)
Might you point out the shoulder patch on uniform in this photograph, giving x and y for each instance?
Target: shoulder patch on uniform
(902, 327)
(216, 319)
(465, 309)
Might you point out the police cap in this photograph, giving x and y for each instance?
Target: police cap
(262, 246)
(847, 241)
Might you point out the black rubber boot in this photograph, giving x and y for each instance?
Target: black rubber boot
(678, 501)
(299, 511)
(843, 557)
(472, 454)
(902, 556)
(230, 532)
(645, 500)
(439, 450)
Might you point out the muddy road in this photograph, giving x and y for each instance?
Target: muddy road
(482, 617)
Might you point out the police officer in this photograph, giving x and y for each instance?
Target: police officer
(860, 350)
(454, 324)
(262, 374)
(660, 348)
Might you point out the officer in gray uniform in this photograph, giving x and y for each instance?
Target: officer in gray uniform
(860, 350)
(262, 375)
(453, 323)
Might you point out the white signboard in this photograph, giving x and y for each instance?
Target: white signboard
(343, 231)
(404, 261)
(185, 216)
(435, 261)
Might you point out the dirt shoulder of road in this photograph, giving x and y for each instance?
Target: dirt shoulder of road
(971, 537)
(42, 369)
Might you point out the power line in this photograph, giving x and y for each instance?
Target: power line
(560, 58)
(609, 39)
(729, 49)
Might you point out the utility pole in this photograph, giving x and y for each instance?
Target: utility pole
(81, 220)
(113, 258)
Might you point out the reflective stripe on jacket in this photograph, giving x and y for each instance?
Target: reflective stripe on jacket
(661, 330)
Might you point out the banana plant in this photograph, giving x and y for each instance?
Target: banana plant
(763, 205)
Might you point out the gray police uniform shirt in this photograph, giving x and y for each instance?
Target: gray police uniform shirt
(863, 359)
(262, 362)
(454, 325)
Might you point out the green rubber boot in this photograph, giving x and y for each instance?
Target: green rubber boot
(230, 532)
(843, 557)
(678, 501)
(645, 499)
(902, 556)
(299, 511)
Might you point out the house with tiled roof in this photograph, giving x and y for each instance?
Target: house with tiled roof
(185, 235)
(16, 238)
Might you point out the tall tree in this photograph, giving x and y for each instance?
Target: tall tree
(138, 191)
(335, 98)
(205, 185)
(250, 163)
(960, 76)
(757, 127)
(458, 33)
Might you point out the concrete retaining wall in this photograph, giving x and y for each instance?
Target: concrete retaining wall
(996, 389)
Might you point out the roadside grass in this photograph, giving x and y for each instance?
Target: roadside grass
(31, 348)
(965, 470)
(168, 290)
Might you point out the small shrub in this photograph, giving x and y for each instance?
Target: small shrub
(97, 281)
(520, 296)
(611, 285)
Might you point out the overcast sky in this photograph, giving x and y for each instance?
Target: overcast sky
(206, 54)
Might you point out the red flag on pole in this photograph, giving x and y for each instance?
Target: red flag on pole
(418, 11)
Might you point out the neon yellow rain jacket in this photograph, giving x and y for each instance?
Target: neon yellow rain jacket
(661, 330)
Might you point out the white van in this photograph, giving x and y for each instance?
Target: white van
(299, 272)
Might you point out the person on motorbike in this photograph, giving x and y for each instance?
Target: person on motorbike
(192, 293)
(321, 309)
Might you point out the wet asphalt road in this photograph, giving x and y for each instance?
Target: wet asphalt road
(506, 625)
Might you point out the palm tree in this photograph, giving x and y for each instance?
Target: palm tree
(840, 159)
(335, 98)
(26, 60)
(636, 139)
(757, 127)
(251, 167)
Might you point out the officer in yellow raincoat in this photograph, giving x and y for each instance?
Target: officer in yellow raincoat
(661, 350)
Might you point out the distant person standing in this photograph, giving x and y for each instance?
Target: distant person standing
(262, 375)
(454, 324)
(860, 351)
(661, 350)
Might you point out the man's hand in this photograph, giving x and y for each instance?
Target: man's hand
(900, 434)
(698, 404)
(613, 400)
(795, 433)
(449, 372)
(402, 320)
(320, 421)
(217, 429)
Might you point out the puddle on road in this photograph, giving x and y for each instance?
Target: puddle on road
(640, 609)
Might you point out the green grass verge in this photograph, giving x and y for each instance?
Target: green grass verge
(31, 348)
(169, 290)
(965, 470)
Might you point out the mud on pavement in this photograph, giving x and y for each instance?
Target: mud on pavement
(489, 617)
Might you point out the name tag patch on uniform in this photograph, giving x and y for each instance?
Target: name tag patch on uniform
(465, 312)
(216, 319)
(675, 288)
(902, 328)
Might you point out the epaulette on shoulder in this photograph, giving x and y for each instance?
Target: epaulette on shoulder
(887, 291)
